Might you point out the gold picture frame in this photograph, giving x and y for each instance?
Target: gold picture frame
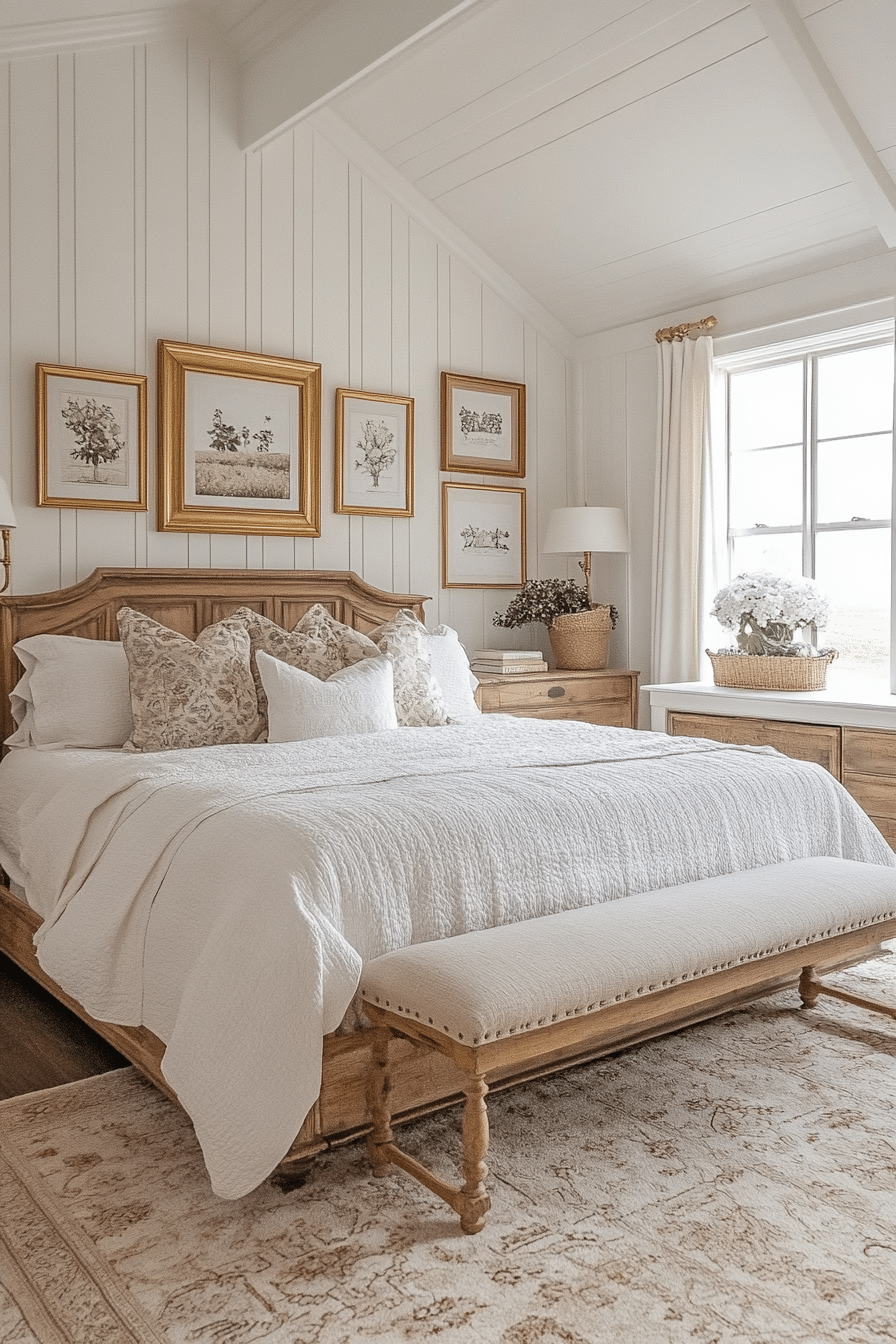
(483, 425)
(241, 427)
(483, 536)
(374, 454)
(91, 438)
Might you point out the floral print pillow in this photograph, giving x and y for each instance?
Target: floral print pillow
(318, 644)
(184, 692)
(419, 702)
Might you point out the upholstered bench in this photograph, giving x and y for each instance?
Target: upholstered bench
(571, 986)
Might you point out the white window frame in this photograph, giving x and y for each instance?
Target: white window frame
(813, 338)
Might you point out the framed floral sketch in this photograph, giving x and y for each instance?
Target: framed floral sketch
(483, 536)
(239, 442)
(374, 454)
(483, 425)
(91, 438)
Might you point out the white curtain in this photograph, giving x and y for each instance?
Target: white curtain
(684, 560)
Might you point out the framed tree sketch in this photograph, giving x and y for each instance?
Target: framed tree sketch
(483, 536)
(483, 425)
(91, 438)
(374, 454)
(239, 442)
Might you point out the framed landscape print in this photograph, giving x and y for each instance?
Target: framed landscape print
(483, 425)
(483, 536)
(374, 454)
(91, 438)
(239, 442)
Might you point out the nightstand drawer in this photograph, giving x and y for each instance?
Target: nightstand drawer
(547, 693)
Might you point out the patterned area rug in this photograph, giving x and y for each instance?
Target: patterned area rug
(733, 1184)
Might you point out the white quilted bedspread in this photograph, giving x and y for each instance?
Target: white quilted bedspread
(225, 897)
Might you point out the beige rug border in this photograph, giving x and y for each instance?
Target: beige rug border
(55, 1313)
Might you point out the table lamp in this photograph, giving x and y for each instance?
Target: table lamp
(585, 528)
(7, 521)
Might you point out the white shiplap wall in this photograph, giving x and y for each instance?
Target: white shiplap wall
(131, 214)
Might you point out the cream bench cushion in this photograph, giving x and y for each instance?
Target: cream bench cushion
(515, 978)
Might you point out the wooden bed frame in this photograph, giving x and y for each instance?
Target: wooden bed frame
(187, 601)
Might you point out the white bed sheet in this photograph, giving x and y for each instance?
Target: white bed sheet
(25, 770)
(226, 897)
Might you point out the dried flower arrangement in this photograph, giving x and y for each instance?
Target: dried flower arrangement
(765, 610)
(545, 599)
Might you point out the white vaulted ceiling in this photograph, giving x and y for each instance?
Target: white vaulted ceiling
(618, 158)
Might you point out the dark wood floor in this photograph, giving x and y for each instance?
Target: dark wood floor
(42, 1044)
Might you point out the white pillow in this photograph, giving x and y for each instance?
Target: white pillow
(357, 699)
(74, 693)
(451, 669)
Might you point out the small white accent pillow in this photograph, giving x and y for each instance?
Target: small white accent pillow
(451, 670)
(356, 699)
(74, 693)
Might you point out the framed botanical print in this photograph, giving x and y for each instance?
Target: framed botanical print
(483, 536)
(483, 425)
(374, 454)
(91, 438)
(239, 442)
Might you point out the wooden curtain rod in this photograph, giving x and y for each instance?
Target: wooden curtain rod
(678, 333)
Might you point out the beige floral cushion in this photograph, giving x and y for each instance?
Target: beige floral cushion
(334, 645)
(419, 702)
(318, 644)
(184, 692)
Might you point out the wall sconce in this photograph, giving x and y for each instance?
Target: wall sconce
(7, 521)
(586, 529)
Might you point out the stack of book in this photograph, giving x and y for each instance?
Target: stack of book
(507, 661)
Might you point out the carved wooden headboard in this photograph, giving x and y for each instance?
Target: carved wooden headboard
(186, 600)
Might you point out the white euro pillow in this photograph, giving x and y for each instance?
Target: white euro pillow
(451, 670)
(74, 693)
(356, 699)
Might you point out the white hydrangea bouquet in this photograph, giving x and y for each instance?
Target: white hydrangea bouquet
(766, 610)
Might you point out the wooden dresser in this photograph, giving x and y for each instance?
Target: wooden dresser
(854, 738)
(609, 697)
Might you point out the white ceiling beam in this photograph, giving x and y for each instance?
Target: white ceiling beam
(331, 51)
(799, 52)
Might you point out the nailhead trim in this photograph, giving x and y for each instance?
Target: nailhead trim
(642, 989)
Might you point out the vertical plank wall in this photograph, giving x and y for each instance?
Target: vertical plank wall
(131, 214)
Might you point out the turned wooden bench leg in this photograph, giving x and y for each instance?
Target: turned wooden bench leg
(475, 1202)
(810, 988)
(379, 1102)
(470, 1200)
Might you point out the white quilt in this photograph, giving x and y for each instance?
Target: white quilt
(225, 897)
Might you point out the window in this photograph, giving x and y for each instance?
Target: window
(810, 467)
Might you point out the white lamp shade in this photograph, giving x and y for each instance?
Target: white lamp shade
(7, 516)
(585, 528)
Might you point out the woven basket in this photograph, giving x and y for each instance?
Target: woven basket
(581, 639)
(755, 672)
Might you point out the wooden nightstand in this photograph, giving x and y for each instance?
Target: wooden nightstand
(609, 697)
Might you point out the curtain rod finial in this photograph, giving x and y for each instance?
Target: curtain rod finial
(678, 333)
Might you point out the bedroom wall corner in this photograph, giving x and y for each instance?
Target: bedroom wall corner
(619, 373)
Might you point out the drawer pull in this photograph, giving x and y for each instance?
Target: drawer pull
(556, 692)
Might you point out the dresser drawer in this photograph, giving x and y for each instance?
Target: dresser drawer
(804, 741)
(875, 794)
(869, 752)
